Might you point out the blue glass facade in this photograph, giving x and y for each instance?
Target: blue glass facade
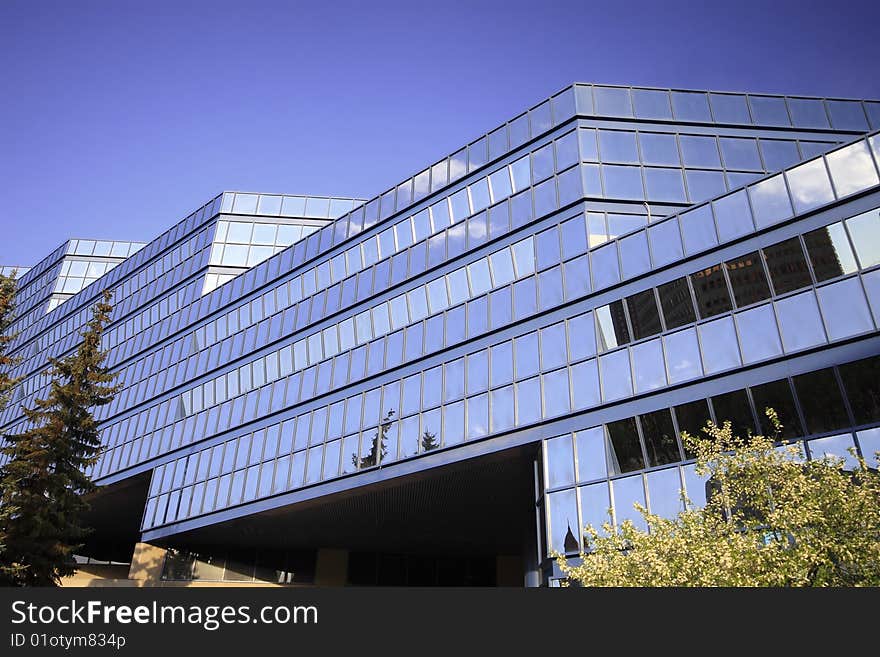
(602, 272)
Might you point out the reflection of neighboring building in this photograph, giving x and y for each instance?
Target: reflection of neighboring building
(444, 384)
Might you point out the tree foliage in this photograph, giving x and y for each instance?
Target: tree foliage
(7, 362)
(378, 449)
(43, 482)
(771, 519)
(429, 441)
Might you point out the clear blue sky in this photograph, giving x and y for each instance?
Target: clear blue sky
(119, 117)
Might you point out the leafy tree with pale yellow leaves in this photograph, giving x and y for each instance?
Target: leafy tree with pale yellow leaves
(771, 519)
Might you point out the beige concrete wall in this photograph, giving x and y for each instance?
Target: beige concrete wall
(147, 563)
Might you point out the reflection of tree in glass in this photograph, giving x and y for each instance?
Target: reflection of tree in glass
(378, 450)
(429, 441)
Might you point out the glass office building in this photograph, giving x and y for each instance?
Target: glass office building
(443, 384)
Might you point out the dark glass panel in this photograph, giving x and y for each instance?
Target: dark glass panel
(625, 452)
(691, 418)
(710, 289)
(787, 265)
(777, 395)
(861, 380)
(643, 314)
(821, 401)
(676, 302)
(734, 406)
(830, 252)
(659, 434)
(747, 279)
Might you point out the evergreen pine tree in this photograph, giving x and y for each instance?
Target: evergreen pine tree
(429, 441)
(43, 483)
(7, 381)
(7, 362)
(378, 449)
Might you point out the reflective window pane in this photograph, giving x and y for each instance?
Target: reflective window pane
(758, 334)
(559, 461)
(691, 106)
(847, 115)
(664, 493)
(605, 267)
(553, 351)
(695, 487)
(865, 232)
(585, 385)
(623, 182)
(634, 255)
(659, 148)
(836, 447)
(739, 153)
(595, 506)
(852, 169)
(588, 145)
(807, 113)
(845, 309)
(591, 453)
(651, 104)
(618, 147)
(649, 366)
(628, 492)
(526, 350)
(665, 185)
(869, 442)
(581, 337)
(577, 277)
(800, 322)
(616, 377)
(732, 216)
(698, 229)
(502, 409)
(779, 154)
(562, 512)
(704, 185)
(612, 101)
(769, 110)
(574, 241)
(556, 393)
(478, 416)
(683, 356)
(502, 363)
(699, 151)
(665, 242)
(719, 345)
(770, 201)
(809, 185)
